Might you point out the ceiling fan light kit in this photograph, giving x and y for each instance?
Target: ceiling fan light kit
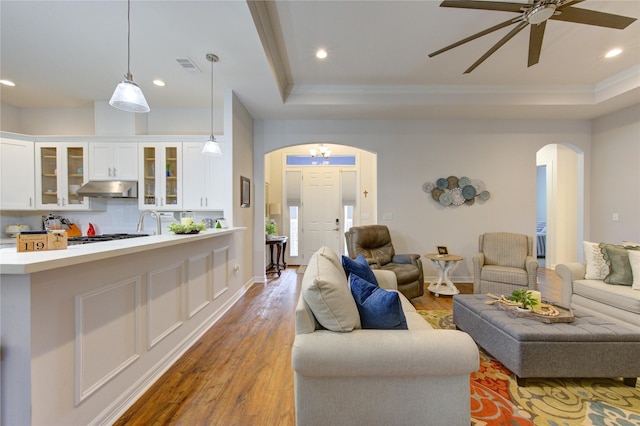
(535, 14)
(128, 96)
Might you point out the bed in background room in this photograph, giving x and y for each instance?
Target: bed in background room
(541, 238)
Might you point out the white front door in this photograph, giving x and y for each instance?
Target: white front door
(320, 210)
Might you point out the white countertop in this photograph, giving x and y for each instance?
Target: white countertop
(12, 262)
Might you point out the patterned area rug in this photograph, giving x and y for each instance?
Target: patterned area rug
(496, 399)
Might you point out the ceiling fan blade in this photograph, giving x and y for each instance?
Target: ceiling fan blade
(535, 42)
(473, 37)
(569, 4)
(591, 17)
(484, 5)
(498, 45)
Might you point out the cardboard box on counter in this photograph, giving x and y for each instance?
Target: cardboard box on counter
(41, 241)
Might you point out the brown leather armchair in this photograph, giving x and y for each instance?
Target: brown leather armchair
(374, 242)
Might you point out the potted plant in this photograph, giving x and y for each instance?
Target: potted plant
(524, 298)
(271, 229)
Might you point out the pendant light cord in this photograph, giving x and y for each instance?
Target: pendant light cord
(212, 137)
(129, 76)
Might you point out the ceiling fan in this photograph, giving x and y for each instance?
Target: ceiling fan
(535, 14)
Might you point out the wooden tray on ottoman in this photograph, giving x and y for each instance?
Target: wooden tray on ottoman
(566, 314)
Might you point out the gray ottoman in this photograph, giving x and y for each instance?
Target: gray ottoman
(588, 347)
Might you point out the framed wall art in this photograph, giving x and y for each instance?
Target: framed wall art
(245, 192)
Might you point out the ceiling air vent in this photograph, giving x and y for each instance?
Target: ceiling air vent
(188, 64)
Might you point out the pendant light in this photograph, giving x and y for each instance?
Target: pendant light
(211, 147)
(128, 96)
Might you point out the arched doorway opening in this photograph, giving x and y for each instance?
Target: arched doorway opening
(317, 199)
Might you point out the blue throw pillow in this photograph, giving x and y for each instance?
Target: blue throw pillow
(378, 308)
(359, 267)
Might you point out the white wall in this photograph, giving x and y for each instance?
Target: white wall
(500, 153)
(81, 121)
(239, 125)
(615, 168)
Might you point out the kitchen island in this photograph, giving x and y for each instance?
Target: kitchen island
(86, 330)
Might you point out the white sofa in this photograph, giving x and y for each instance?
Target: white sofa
(376, 377)
(615, 302)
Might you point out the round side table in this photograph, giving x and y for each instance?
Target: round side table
(444, 263)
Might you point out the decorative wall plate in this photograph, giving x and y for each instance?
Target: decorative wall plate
(453, 191)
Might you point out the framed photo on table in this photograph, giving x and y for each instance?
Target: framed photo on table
(442, 250)
(245, 192)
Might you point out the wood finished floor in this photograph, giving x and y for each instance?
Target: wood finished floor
(239, 372)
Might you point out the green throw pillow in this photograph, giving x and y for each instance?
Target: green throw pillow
(617, 257)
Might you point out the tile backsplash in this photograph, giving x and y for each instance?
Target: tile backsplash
(121, 215)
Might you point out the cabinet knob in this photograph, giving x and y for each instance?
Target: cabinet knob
(114, 171)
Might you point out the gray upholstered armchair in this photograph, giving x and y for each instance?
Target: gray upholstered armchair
(374, 242)
(505, 262)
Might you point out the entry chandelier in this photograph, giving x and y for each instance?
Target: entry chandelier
(128, 96)
(322, 151)
(211, 147)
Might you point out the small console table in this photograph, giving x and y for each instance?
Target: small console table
(280, 242)
(444, 263)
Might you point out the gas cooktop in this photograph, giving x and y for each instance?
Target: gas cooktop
(72, 241)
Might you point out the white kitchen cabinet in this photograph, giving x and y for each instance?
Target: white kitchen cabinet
(61, 169)
(18, 175)
(160, 176)
(202, 179)
(113, 161)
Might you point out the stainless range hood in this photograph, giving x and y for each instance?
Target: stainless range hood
(109, 189)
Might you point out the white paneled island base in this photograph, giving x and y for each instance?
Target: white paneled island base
(86, 330)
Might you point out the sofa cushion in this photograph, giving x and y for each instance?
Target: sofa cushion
(634, 261)
(597, 268)
(326, 292)
(504, 274)
(378, 308)
(360, 267)
(618, 296)
(617, 257)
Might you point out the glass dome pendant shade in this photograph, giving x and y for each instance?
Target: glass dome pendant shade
(128, 96)
(211, 147)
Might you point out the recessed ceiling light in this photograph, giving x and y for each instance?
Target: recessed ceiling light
(321, 54)
(158, 83)
(7, 82)
(613, 52)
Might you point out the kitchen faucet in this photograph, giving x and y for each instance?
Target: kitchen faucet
(141, 221)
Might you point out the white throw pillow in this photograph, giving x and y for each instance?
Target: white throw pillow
(597, 268)
(634, 260)
(326, 291)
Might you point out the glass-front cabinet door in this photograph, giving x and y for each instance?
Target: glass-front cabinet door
(49, 176)
(60, 171)
(148, 177)
(161, 176)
